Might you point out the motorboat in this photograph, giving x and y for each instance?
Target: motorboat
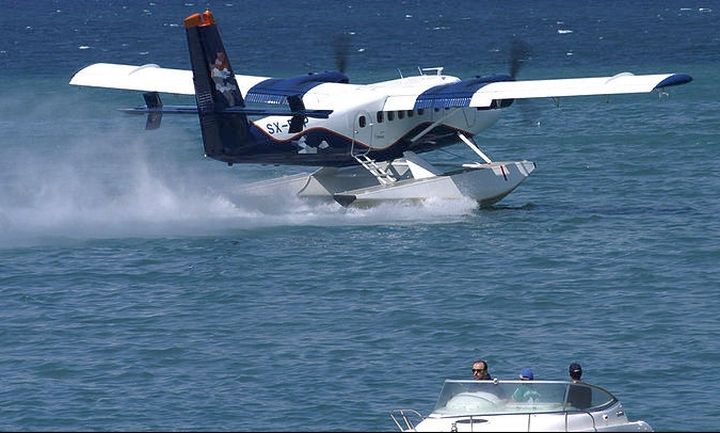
(520, 405)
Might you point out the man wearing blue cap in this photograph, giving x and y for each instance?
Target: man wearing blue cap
(527, 374)
(526, 392)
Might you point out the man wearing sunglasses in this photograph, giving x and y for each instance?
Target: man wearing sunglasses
(480, 370)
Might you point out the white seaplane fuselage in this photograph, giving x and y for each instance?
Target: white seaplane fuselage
(363, 114)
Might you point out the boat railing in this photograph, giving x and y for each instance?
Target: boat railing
(406, 419)
(481, 419)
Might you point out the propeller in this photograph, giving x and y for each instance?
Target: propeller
(520, 55)
(341, 44)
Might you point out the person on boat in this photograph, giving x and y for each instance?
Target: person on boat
(579, 396)
(480, 370)
(525, 392)
(575, 371)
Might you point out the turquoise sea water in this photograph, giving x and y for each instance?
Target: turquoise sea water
(140, 291)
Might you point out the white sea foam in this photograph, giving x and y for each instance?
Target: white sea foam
(121, 181)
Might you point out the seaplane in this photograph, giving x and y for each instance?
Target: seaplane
(364, 140)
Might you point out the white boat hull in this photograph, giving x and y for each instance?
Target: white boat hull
(495, 406)
(568, 422)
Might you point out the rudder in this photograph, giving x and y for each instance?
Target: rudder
(224, 134)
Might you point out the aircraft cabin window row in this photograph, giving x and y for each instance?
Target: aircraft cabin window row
(381, 115)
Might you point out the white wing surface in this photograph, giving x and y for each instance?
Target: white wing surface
(485, 92)
(147, 78)
(625, 82)
(481, 92)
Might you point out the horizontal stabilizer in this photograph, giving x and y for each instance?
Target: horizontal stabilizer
(167, 109)
(191, 109)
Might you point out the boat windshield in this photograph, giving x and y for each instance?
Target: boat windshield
(482, 397)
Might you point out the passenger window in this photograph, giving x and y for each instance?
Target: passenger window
(361, 121)
(401, 114)
(391, 116)
(410, 113)
(379, 117)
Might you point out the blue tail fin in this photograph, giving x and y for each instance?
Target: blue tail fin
(225, 134)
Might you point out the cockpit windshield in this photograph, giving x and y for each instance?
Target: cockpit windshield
(472, 397)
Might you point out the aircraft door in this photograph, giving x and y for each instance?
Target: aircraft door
(362, 133)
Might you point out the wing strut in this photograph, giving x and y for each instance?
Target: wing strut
(472, 145)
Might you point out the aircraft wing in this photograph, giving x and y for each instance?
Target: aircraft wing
(147, 78)
(483, 92)
(625, 82)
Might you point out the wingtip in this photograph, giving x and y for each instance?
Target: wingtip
(674, 80)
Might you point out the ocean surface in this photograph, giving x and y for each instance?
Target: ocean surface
(140, 291)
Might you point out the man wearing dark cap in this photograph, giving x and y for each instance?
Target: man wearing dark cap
(579, 394)
(575, 371)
